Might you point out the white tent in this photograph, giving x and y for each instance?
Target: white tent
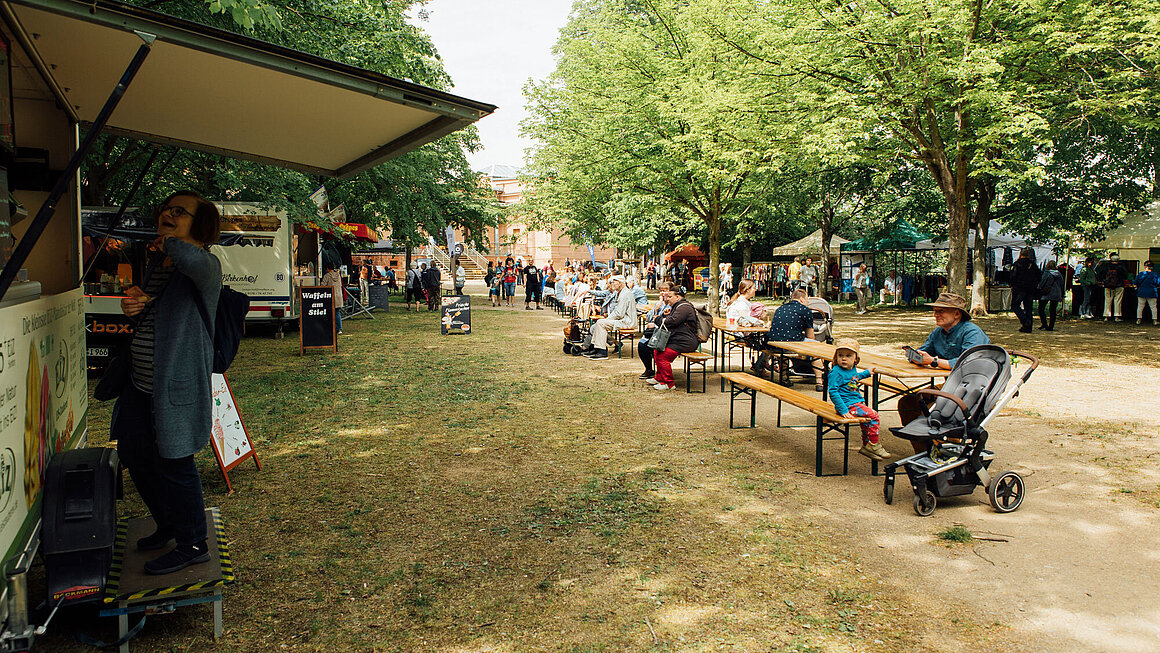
(1141, 230)
(995, 238)
(811, 244)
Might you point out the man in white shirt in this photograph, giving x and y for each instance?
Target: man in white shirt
(623, 316)
(892, 286)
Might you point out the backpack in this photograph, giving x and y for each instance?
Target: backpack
(229, 326)
(704, 324)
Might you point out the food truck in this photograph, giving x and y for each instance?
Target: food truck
(68, 67)
(255, 250)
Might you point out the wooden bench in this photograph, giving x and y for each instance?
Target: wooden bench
(828, 421)
(695, 358)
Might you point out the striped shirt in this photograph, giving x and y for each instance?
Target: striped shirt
(141, 348)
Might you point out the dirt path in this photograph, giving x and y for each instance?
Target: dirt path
(1074, 568)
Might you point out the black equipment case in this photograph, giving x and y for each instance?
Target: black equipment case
(80, 525)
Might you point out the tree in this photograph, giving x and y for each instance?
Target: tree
(637, 113)
(963, 87)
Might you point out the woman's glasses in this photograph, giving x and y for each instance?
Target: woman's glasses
(175, 211)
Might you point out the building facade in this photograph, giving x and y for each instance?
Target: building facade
(514, 238)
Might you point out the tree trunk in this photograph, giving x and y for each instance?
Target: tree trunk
(746, 256)
(407, 264)
(827, 234)
(985, 193)
(714, 222)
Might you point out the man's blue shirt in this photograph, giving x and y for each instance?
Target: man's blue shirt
(949, 345)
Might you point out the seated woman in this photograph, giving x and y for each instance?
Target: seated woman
(651, 320)
(681, 322)
(740, 311)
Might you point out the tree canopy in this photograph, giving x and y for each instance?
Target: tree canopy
(1014, 105)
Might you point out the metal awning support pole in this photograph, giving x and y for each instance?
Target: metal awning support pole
(48, 208)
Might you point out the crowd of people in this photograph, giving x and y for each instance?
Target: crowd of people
(1047, 286)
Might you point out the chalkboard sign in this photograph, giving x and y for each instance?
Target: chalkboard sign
(456, 314)
(380, 296)
(316, 319)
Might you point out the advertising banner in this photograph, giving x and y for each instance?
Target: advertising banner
(43, 397)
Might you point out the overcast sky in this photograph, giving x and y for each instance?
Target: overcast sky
(491, 49)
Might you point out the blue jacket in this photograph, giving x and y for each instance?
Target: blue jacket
(843, 388)
(1146, 283)
(950, 345)
(183, 351)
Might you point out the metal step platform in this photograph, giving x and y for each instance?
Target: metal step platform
(130, 590)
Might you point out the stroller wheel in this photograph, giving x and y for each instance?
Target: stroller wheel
(924, 506)
(567, 348)
(888, 490)
(1006, 492)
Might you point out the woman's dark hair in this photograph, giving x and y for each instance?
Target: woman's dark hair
(1089, 260)
(1027, 252)
(207, 222)
(1051, 265)
(680, 290)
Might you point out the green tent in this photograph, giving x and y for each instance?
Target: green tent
(900, 234)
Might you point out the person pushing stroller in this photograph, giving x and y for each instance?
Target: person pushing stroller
(847, 397)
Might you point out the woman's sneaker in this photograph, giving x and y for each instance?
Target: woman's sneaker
(663, 386)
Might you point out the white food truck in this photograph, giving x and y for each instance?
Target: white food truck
(65, 69)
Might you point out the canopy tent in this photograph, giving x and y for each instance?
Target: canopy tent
(239, 97)
(688, 253)
(1141, 230)
(995, 238)
(897, 236)
(811, 244)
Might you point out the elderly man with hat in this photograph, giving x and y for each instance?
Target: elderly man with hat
(622, 316)
(954, 334)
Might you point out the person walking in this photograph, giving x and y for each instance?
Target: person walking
(334, 279)
(1114, 278)
(1050, 294)
(533, 287)
(510, 275)
(862, 288)
(795, 274)
(1086, 278)
(1024, 288)
(1146, 291)
(364, 283)
(414, 286)
(460, 278)
(432, 285)
(162, 417)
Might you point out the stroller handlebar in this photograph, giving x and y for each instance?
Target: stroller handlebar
(939, 393)
(1034, 362)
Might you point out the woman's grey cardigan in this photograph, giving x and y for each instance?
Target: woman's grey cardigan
(183, 351)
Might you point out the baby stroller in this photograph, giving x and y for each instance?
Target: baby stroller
(577, 336)
(954, 428)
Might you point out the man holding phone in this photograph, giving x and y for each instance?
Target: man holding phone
(954, 333)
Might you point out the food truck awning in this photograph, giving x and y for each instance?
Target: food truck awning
(358, 231)
(206, 89)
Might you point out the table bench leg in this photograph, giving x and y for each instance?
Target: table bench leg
(217, 615)
(734, 392)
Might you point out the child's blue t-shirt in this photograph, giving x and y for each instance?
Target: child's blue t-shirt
(843, 388)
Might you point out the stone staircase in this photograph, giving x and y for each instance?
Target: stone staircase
(474, 264)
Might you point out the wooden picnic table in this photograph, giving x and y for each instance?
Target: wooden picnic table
(896, 367)
(721, 328)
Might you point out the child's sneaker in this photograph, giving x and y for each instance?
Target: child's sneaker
(865, 451)
(878, 451)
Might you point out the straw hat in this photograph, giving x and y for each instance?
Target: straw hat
(846, 343)
(952, 300)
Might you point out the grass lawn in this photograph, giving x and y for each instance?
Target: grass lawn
(487, 493)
